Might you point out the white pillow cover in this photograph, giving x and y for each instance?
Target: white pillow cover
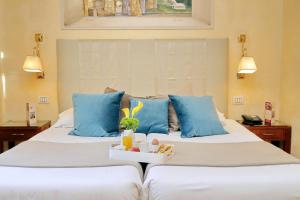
(66, 119)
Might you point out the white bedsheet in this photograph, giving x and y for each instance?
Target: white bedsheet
(114, 183)
(237, 133)
(61, 135)
(280, 182)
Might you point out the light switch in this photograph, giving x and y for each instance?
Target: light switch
(43, 100)
(238, 100)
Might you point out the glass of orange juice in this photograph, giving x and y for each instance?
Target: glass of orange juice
(127, 141)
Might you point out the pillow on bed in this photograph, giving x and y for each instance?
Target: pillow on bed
(153, 117)
(221, 117)
(65, 119)
(197, 116)
(125, 103)
(96, 115)
(172, 117)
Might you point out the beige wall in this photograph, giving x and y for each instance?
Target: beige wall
(290, 101)
(260, 19)
(2, 48)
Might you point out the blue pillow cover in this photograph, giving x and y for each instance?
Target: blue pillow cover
(153, 117)
(197, 116)
(96, 115)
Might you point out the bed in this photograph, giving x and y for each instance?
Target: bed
(276, 182)
(109, 182)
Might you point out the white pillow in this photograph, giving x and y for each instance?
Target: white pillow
(65, 119)
(221, 116)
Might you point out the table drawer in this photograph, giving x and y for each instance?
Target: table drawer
(267, 134)
(16, 135)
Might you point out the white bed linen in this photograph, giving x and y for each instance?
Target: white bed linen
(114, 183)
(237, 133)
(61, 135)
(280, 182)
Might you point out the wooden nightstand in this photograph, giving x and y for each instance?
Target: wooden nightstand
(13, 131)
(278, 134)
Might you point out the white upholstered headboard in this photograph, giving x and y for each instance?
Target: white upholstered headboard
(143, 68)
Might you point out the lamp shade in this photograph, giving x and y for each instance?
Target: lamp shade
(33, 64)
(247, 65)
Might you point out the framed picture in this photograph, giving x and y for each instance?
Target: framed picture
(137, 14)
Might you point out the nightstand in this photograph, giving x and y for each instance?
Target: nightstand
(18, 131)
(278, 134)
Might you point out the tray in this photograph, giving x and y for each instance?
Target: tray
(145, 157)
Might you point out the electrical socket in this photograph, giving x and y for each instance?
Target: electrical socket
(238, 100)
(43, 100)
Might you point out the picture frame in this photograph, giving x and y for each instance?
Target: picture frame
(73, 18)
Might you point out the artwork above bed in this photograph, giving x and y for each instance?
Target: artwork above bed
(137, 14)
(143, 68)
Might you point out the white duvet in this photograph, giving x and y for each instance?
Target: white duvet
(281, 182)
(113, 183)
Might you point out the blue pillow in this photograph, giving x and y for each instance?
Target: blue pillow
(197, 115)
(153, 117)
(96, 115)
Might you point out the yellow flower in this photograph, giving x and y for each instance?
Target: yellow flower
(126, 112)
(136, 109)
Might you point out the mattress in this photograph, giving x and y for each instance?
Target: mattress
(280, 182)
(114, 183)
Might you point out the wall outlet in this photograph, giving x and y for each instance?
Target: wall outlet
(238, 100)
(43, 100)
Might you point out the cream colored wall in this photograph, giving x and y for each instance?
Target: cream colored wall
(290, 102)
(2, 48)
(260, 19)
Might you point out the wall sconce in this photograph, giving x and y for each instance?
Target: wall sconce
(33, 62)
(247, 64)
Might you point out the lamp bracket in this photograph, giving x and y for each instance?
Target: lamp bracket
(240, 76)
(39, 37)
(41, 75)
(242, 38)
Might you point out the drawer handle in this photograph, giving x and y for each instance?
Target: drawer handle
(18, 134)
(268, 134)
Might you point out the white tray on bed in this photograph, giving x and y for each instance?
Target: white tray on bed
(155, 158)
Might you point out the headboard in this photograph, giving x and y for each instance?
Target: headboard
(143, 68)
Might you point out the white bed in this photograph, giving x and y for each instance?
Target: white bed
(114, 182)
(280, 182)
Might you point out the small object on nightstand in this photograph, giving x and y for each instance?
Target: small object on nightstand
(278, 134)
(31, 114)
(268, 113)
(13, 131)
(252, 120)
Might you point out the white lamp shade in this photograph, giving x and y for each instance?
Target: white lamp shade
(247, 66)
(33, 64)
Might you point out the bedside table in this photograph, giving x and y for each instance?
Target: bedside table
(13, 131)
(278, 134)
